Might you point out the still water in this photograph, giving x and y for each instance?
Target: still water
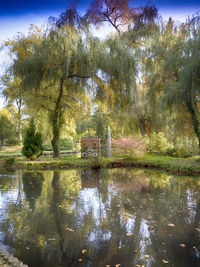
(118, 217)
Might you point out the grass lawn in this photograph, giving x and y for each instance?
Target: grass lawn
(185, 166)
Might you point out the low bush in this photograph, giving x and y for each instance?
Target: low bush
(8, 162)
(158, 143)
(128, 146)
(66, 143)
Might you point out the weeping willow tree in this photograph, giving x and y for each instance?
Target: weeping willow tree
(55, 67)
(132, 24)
(189, 76)
(172, 69)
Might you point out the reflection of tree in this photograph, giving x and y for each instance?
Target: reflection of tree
(90, 178)
(6, 180)
(70, 215)
(32, 183)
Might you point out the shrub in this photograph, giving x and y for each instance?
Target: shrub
(157, 142)
(128, 146)
(66, 143)
(179, 151)
(8, 162)
(32, 145)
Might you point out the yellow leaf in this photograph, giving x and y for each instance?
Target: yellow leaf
(135, 250)
(163, 243)
(171, 224)
(182, 245)
(84, 251)
(79, 259)
(119, 247)
(164, 261)
(129, 234)
(137, 265)
(107, 265)
(147, 256)
(69, 229)
(117, 265)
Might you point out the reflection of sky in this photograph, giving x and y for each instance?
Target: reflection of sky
(191, 205)
(145, 243)
(89, 200)
(6, 197)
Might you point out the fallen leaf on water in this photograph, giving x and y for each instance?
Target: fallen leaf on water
(149, 217)
(107, 265)
(182, 245)
(84, 251)
(117, 265)
(147, 256)
(171, 224)
(137, 265)
(164, 261)
(79, 259)
(142, 265)
(119, 247)
(129, 234)
(135, 250)
(163, 243)
(117, 206)
(69, 229)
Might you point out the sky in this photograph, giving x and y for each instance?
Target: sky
(16, 16)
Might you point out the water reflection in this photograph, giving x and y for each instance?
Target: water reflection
(99, 218)
(32, 185)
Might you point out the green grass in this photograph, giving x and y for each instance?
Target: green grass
(185, 166)
(190, 165)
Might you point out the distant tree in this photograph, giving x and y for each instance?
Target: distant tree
(12, 91)
(7, 129)
(32, 145)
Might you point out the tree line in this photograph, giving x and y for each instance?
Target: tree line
(142, 79)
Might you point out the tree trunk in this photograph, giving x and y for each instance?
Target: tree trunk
(57, 120)
(19, 125)
(19, 106)
(195, 120)
(141, 119)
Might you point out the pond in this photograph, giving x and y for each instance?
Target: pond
(110, 217)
